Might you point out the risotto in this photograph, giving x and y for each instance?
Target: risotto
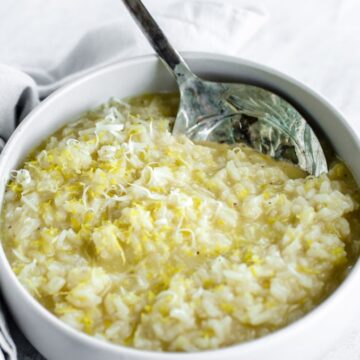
(152, 241)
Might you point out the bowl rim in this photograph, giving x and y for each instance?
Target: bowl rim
(242, 348)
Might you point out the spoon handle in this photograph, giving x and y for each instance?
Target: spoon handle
(158, 40)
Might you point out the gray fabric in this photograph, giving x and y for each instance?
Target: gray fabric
(18, 95)
(7, 346)
(25, 350)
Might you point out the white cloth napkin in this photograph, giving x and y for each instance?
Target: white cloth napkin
(46, 43)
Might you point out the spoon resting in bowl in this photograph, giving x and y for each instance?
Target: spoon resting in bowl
(232, 113)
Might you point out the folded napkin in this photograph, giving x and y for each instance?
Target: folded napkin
(45, 44)
(7, 346)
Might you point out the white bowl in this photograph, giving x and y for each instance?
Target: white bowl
(306, 339)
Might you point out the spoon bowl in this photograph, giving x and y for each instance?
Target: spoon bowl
(232, 113)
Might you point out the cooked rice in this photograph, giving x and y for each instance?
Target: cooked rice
(144, 239)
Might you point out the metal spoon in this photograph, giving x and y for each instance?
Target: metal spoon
(231, 113)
